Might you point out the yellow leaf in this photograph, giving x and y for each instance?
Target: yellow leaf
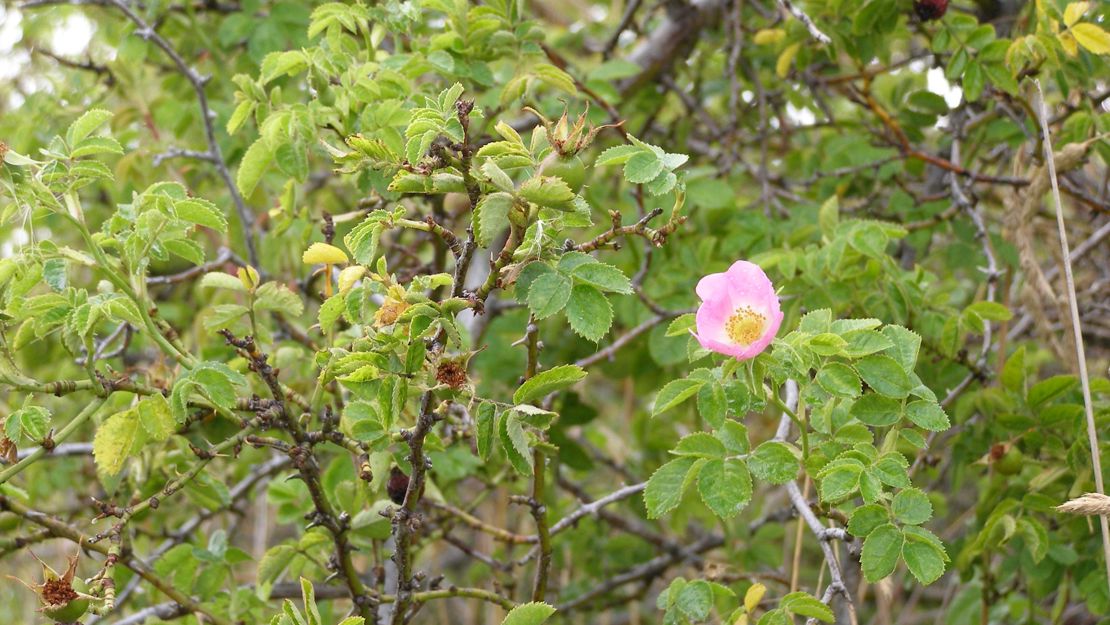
(1074, 11)
(115, 439)
(769, 36)
(754, 596)
(322, 253)
(1068, 42)
(786, 59)
(249, 277)
(1091, 37)
(349, 276)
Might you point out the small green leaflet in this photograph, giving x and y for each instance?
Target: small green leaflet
(674, 393)
(529, 614)
(664, 488)
(589, 312)
(547, 382)
(28, 424)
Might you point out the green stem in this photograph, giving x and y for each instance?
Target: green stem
(61, 436)
(183, 358)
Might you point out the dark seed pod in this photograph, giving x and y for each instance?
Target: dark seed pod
(397, 485)
(452, 373)
(929, 10)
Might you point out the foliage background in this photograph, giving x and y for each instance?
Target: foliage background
(895, 173)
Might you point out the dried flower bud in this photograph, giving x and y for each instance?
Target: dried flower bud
(930, 9)
(452, 373)
(389, 312)
(397, 485)
(62, 597)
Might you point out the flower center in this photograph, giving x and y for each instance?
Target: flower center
(745, 326)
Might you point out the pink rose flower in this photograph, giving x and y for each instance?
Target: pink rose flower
(739, 313)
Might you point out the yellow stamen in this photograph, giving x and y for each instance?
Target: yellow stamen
(745, 326)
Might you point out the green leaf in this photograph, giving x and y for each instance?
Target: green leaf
(881, 551)
(701, 444)
(712, 403)
(30, 423)
(885, 375)
(839, 380)
(241, 114)
(643, 167)
(155, 417)
(725, 486)
(547, 191)
(330, 312)
(735, 437)
(547, 382)
(271, 566)
(571, 261)
(877, 411)
(924, 554)
(864, 342)
(492, 217)
(221, 280)
(277, 297)
(548, 294)
(254, 164)
(529, 614)
(674, 393)
(589, 312)
(603, 276)
(906, 345)
(891, 468)
(695, 600)
(803, 604)
(912, 506)
(54, 274)
(681, 325)
(664, 488)
(865, 519)
(992, 311)
(927, 415)
(95, 146)
(308, 598)
(202, 213)
(86, 124)
(616, 155)
(362, 240)
(515, 442)
(1013, 372)
(778, 616)
(1049, 389)
(840, 479)
(486, 421)
(775, 462)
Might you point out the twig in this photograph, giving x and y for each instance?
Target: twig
(824, 534)
(623, 340)
(801, 16)
(595, 506)
(1077, 332)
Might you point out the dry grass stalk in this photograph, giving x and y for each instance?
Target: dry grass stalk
(1077, 333)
